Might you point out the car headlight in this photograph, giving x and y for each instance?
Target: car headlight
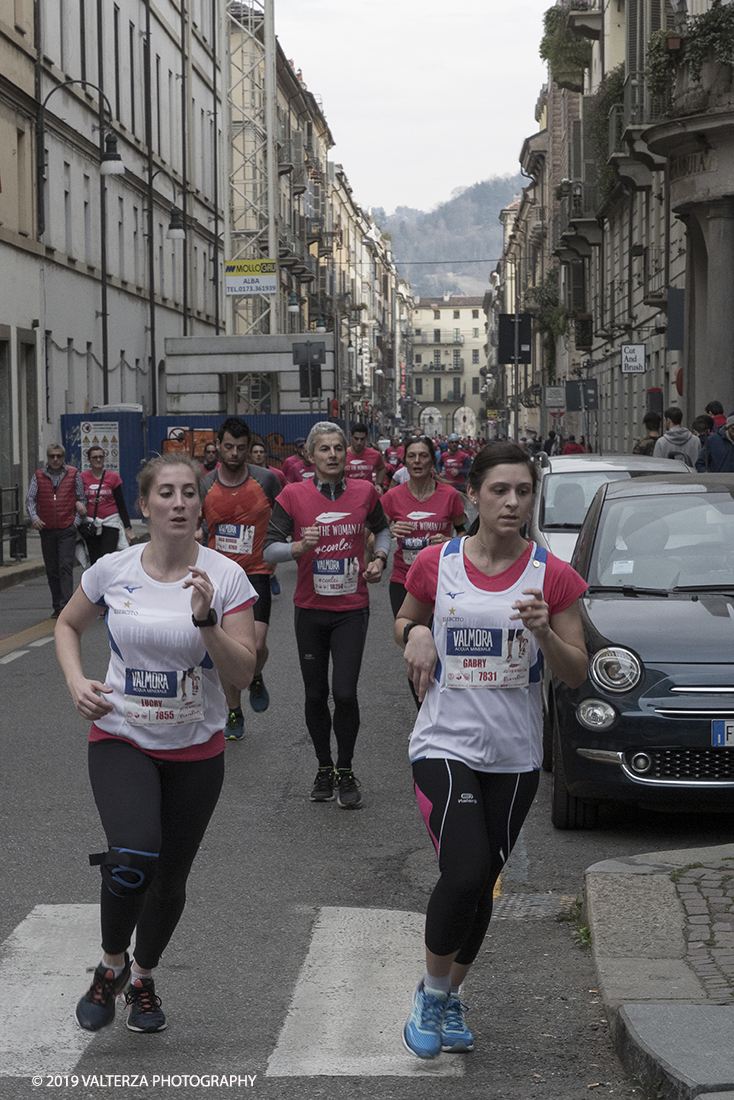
(595, 714)
(615, 669)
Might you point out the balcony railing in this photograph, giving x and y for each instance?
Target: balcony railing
(641, 108)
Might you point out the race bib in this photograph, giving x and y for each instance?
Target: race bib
(335, 576)
(233, 538)
(411, 548)
(482, 657)
(163, 698)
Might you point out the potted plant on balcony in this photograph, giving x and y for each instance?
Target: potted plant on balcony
(566, 55)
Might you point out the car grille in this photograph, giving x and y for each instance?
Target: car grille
(685, 765)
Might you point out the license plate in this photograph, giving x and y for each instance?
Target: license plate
(722, 733)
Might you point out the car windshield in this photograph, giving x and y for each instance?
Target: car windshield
(665, 543)
(566, 497)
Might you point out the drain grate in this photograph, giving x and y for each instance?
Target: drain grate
(531, 906)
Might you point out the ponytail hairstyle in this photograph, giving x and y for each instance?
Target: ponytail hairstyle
(499, 453)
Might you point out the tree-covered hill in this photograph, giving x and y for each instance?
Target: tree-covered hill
(466, 227)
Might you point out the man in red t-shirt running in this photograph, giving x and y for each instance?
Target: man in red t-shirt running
(238, 500)
(298, 467)
(364, 463)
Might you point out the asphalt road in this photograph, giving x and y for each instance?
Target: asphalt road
(287, 901)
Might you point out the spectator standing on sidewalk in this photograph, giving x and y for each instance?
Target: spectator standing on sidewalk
(646, 446)
(677, 442)
(55, 498)
(717, 455)
(106, 507)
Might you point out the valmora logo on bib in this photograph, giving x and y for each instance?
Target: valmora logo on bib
(331, 517)
(420, 515)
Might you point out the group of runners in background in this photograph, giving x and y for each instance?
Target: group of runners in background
(189, 611)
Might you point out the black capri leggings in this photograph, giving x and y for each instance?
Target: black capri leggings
(150, 805)
(341, 636)
(474, 819)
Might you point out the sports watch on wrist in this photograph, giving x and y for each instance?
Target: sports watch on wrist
(210, 620)
(407, 631)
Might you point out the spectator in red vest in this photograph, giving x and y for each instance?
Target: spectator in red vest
(56, 496)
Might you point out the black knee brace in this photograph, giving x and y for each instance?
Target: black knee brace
(125, 872)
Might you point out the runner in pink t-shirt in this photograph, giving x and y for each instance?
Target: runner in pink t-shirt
(363, 462)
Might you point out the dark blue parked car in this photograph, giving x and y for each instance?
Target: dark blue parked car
(654, 721)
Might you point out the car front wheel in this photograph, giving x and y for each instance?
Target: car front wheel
(568, 812)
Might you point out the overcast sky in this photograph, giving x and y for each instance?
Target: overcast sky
(421, 96)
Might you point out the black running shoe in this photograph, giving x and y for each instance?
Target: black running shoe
(349, 797)
(145, 1008)
(96, 1009)
(323, 786)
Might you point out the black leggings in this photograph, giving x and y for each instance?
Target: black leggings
(105, 543)
(341, 636)
(150, 805)
(474, 819)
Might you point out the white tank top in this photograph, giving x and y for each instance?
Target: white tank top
(485, 706)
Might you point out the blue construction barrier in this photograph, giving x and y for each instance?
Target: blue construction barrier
(138, 438)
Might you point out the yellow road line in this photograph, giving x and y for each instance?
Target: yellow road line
(17, 641)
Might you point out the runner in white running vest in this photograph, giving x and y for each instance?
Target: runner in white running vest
(501, 607)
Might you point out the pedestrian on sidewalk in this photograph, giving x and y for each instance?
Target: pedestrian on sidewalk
(179, 616)
(677, 442)
(501, 607)
(646, 446)
(106, 508)
(55, 500)
(322, 524)
(717, 455)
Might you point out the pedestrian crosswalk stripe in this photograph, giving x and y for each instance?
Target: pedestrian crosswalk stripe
(42, 975)
(352, 998)
(13, 656)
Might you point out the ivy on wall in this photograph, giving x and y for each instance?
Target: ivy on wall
(567, 55)
(551, 318)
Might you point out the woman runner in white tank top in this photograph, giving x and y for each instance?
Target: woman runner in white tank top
(501, 607)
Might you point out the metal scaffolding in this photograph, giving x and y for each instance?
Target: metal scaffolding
(250, 228)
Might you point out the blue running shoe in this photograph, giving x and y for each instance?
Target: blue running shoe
(274, 585)
(422, 1032)
(234, 729)
(259, 698)
(145, 1008)
(455, 1035)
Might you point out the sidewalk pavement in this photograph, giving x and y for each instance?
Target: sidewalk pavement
(15, 572)
(662, 932)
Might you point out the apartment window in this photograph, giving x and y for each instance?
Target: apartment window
(437, 336)
(457, 335)
(67, 209)
(437, 360)
(419, 358)
(436, 389)
(161, 265)
(457, 360)
(419, 332)
(475, 385)
(83, 37)
(87, 185)
(456, 314)
(136, 238)
(121, 237)
(116, 47)
(131, 36)
(418, 385)
(158, 104)
(475, 355)
(24, 221)
(437, 315)
(475, 333)
(475, 314)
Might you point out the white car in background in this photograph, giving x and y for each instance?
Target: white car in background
(567, 487)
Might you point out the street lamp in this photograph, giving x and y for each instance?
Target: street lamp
(110, 165)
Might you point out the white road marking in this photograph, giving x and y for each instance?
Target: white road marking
(352, 998)
(13, 656)
(38, 1031)
(43, 641)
